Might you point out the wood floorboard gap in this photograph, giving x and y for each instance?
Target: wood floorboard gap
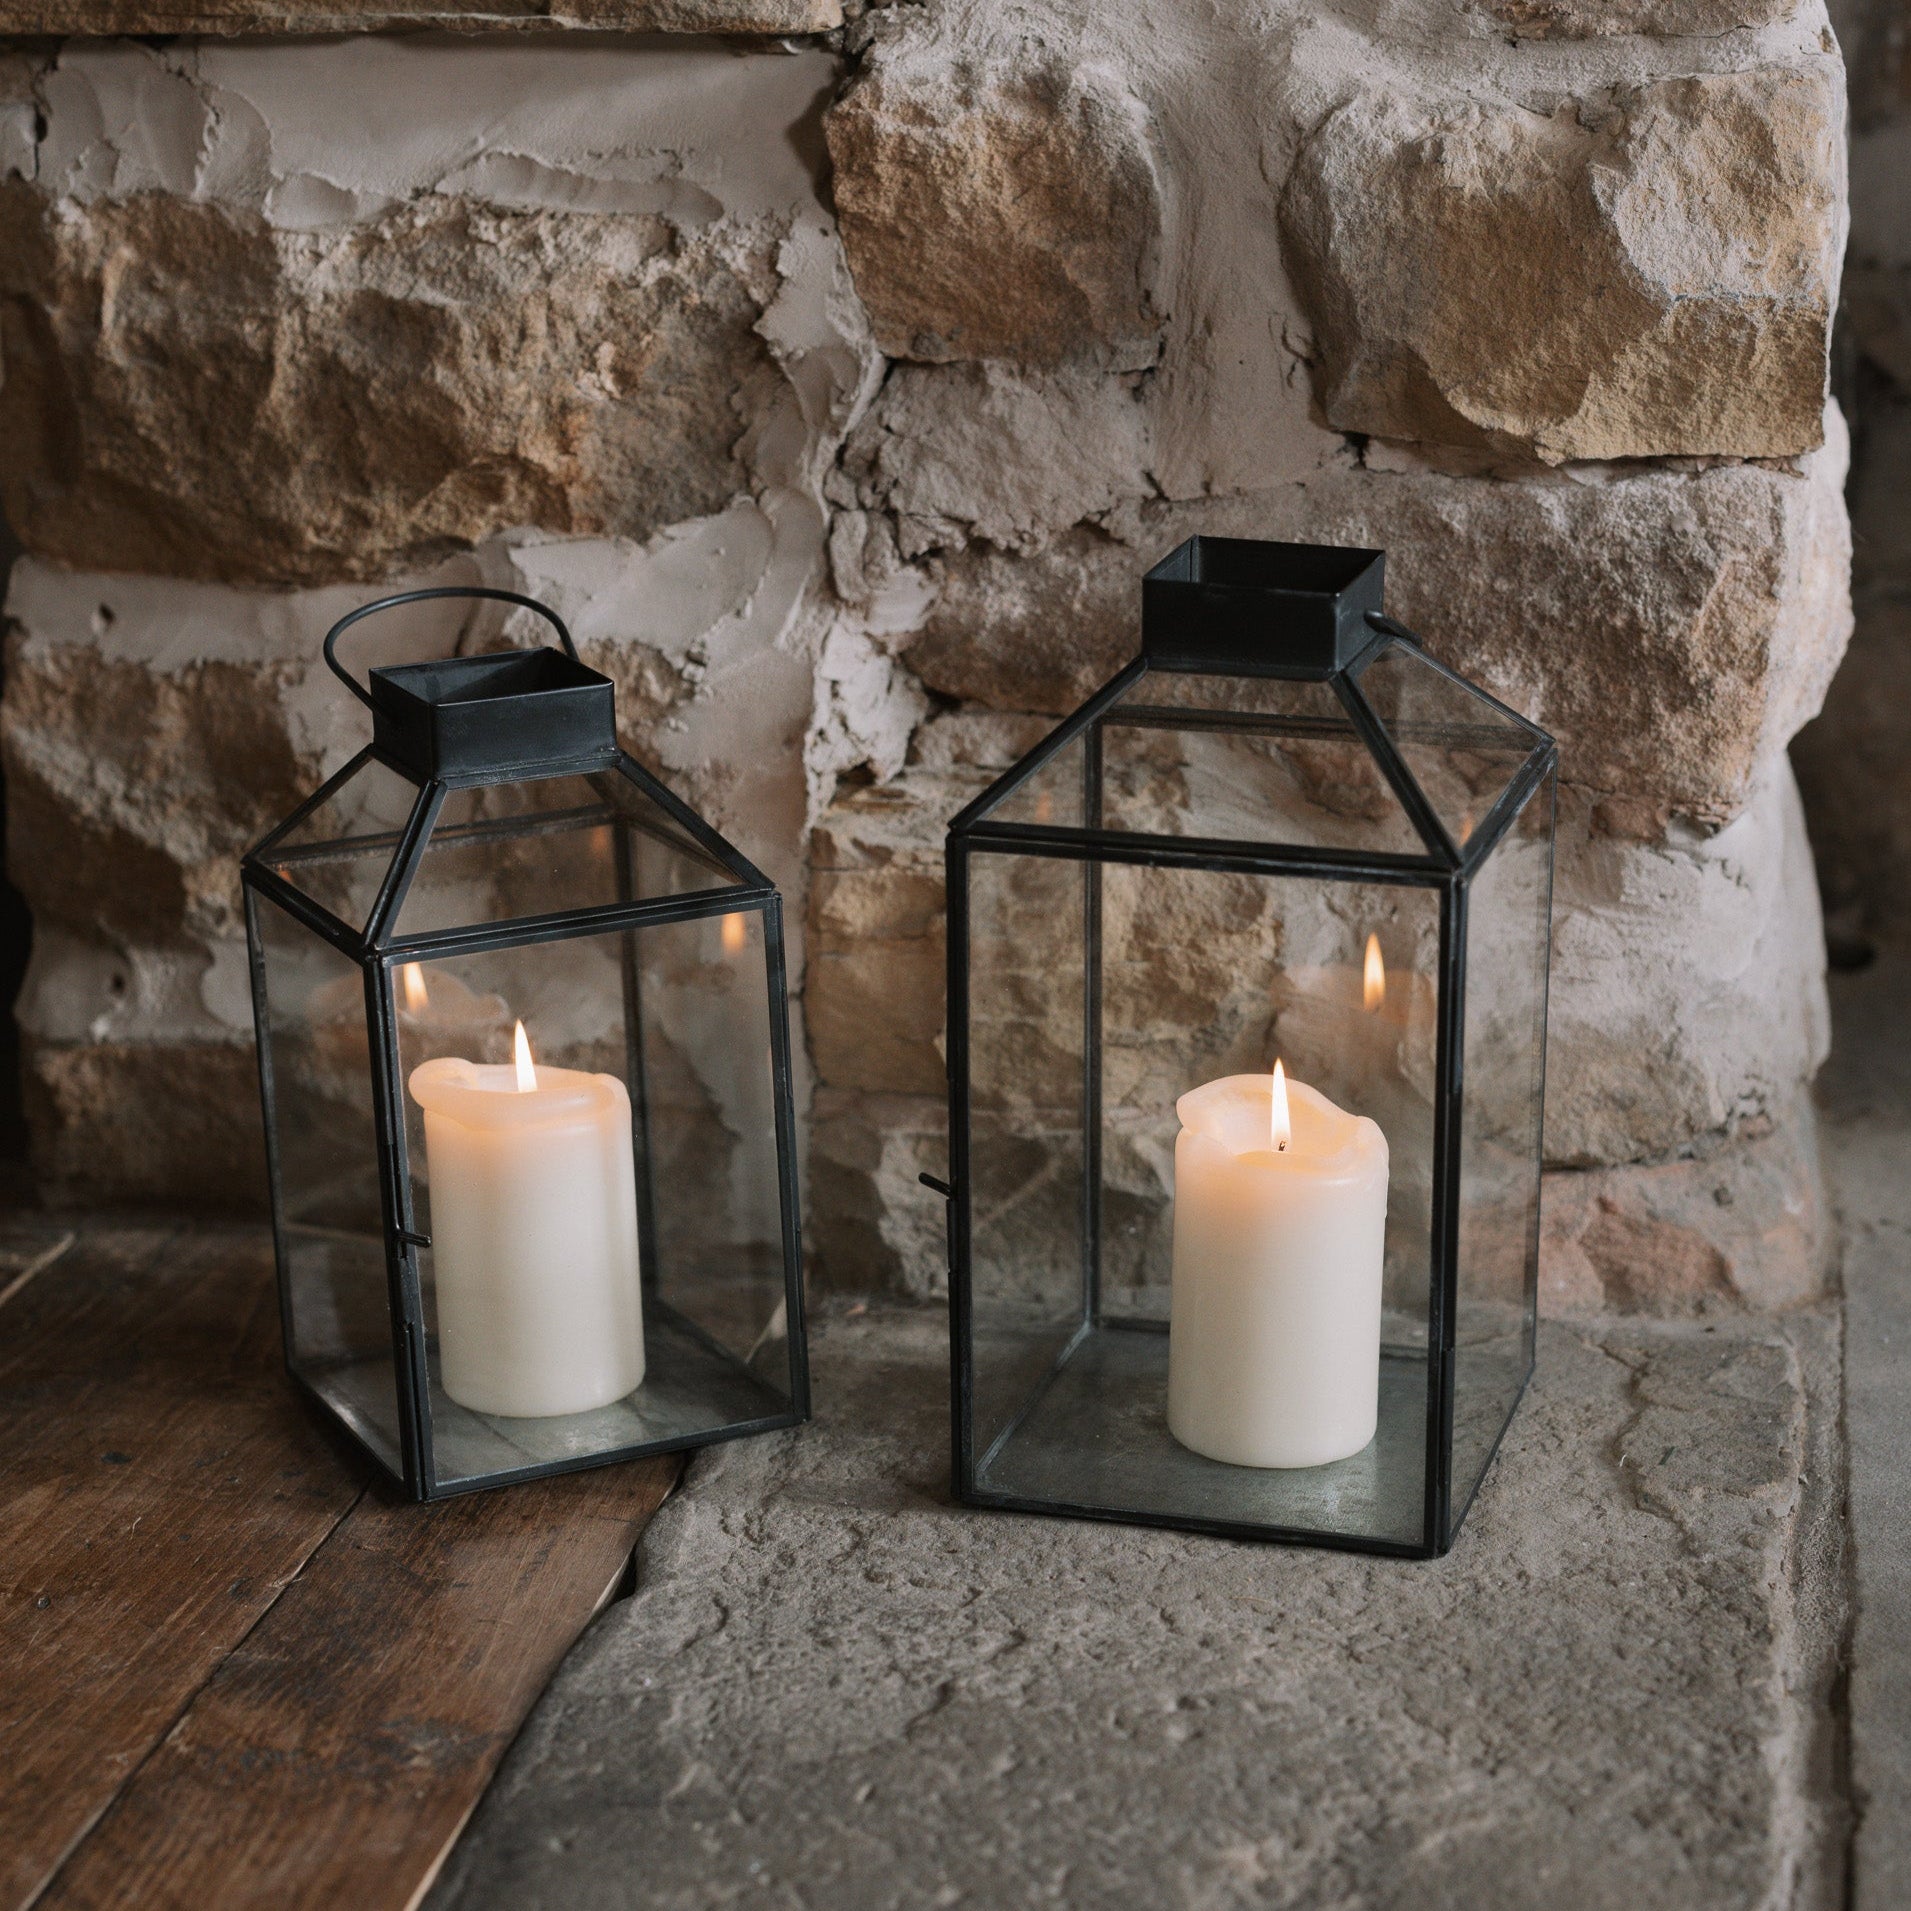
(35, 1265)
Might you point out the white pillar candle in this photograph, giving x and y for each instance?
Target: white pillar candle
(1274, 1316)
(533, 1235)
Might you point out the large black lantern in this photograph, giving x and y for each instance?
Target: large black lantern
(524, 1054)
(1186, 1289)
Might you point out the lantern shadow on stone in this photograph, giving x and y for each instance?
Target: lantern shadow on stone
(1284, 832)
(612, 1266)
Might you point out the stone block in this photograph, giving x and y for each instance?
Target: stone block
(1688, 991)
(873, 1227)
(874, 982)
(1742, 1223)
(998, 210)
(1035, 632)
(175, 1124)
(1671, 629)
(367, 16)
(990, 452)
(131, 792)
(192, 392)
(1657, 273)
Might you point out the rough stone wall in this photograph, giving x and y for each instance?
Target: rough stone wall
(1854, 763)
(1538, 299)
(840, 394)
(287, 321)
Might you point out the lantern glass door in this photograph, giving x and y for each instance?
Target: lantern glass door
(335, 1291)
(1098, 995)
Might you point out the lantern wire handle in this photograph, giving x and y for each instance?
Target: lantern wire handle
(350, 618)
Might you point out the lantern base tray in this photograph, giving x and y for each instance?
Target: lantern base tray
(693, 1392)
(1094, 1439)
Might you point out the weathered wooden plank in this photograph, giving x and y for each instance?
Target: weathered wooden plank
(159, 1484)
(362, 16)
(337, 1753)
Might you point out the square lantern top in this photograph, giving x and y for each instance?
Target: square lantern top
(500, 715)
(1408, 771)
(1244, 608)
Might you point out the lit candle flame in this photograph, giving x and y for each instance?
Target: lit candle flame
(735, 933)
(417, 996)
(527, 1073)
(1373, 988)
(1279, 1126)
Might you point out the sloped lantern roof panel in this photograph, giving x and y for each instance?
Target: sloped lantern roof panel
(508, 852)
(338, 850)
(1463, 750)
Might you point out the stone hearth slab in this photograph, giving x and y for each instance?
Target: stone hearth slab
(1867, 1097)
(835, 1689)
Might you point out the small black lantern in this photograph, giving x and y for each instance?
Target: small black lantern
(524, 1055)
(1185, 1292)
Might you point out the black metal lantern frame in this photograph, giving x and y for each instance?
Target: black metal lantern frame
(1179, 881)
(494, 845)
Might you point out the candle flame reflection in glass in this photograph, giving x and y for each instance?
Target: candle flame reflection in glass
(417, 996)
(734, 933)
(1373, 986)
(1279, 1124)
(527, 1071)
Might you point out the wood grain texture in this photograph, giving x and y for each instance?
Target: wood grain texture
(159, 1485)
(96, 17)
(337, 1753)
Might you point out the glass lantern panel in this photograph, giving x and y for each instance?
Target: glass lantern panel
(1460, 747)
(1246, 759)
(326, 1193)
(1027, 1180)
(1052, 795)
(1509, 906)
(677, 1016)
(503, 851)
(1198, 975)
(340, 853)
